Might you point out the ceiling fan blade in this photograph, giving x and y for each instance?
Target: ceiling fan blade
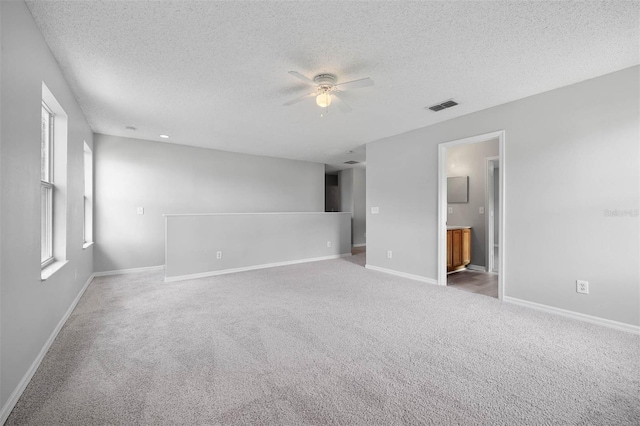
(299, 99)
(296, 74)
(345, 107)
(355, 84)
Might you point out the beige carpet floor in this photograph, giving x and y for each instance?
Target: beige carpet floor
(325, 343)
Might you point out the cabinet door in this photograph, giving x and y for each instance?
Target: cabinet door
(456, 244)
(466, 246)
(449, 250)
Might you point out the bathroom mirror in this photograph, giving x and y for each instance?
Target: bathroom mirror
(458, 189)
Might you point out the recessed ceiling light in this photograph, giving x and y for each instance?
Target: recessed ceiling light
(164, 136)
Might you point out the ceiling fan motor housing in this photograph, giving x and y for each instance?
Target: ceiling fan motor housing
(325, 80)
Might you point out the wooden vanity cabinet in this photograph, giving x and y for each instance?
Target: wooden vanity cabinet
(449, 251)
(458, 248)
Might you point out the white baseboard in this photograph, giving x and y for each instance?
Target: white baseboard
(476, 268)
(129, 271)
(15, 395)
(359, 245)
(575, 315)
(252, 268)
(402, 274)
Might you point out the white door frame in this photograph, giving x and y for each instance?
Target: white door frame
(489, 169)
(442, 205)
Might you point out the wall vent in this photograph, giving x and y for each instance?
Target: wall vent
(443, 105)
(351, 162)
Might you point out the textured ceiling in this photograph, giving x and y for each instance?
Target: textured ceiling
(214, 74)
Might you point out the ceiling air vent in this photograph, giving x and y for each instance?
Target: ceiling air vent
(351, 162)
(443, 105)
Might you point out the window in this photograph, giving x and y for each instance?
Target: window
(46, 186)
(88, 196)
(53, 185)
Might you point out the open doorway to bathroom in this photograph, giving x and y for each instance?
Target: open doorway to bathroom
(471, 214)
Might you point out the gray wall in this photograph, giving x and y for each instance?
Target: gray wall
(345, 180)
(31, 309)
(353, 199)
(570, 155)
(253, 239)
(166, 178)
(469, 160)
(359, 206)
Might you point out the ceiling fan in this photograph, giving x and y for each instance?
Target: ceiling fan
(327, 89)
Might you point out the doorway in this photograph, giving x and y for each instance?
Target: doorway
(487, 210)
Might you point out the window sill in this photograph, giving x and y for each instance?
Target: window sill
(87, 245)
(49, 270)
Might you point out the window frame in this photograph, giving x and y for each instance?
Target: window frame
(47, 187)
(87, 228)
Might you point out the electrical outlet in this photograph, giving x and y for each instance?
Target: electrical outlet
(389, 254)
(450, 210)
(328, 243)
(218, 255)
(481, 210)
(140, 210)
(582, 286)
(375, 210)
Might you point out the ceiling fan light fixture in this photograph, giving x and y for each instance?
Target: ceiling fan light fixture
(325, 86)
(323, 99)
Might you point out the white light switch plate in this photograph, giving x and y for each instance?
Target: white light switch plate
(140, 210)
(481, 210)
(450, 210)
(375, 210)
